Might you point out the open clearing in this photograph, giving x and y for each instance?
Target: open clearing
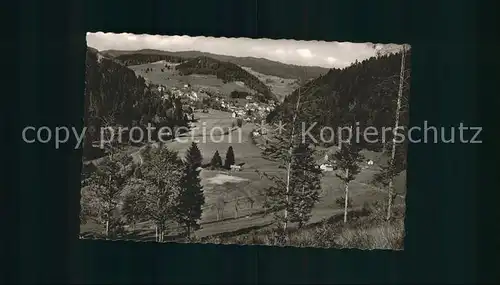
(281, 87)
(172, 78)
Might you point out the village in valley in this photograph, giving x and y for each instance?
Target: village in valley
(237, 185)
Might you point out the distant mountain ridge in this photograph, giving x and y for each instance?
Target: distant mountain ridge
(261, 65)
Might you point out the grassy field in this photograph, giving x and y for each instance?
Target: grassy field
(281, 87)
(240, 192)
(171, 78)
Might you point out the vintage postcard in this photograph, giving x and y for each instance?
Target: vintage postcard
(245, 141)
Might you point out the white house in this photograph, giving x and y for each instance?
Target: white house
(161, 88)
(326, 167)
(233, 115)
(370, 162)
(236, 167)
(249, 98)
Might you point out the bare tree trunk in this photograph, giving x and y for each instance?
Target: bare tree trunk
(346, 202)
(156, 233)
(289, 166)
(218, 215)
(396, 125)
(107, 229)
(235, 210)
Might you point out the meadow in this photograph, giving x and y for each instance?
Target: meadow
(233, 200)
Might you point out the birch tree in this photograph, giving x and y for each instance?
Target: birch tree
(397, 161)
(391, 192)
(347, 160)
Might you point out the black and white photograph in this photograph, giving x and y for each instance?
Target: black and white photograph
(272, 142)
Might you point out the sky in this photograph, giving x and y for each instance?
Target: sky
(305, 53)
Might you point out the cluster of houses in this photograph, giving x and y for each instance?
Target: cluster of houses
(250, 112)
(184, 93)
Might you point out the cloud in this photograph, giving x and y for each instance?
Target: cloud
(308, 53)
(304, 52)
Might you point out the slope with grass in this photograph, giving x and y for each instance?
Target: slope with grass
(227, 72)
(156, 73)
(234, 200)
(261, 65)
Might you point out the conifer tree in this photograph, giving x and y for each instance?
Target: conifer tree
(216, 161)
(278, 197)
(305, 184)
(191, 198)
(229, 158)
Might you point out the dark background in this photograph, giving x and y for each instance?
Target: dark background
(447, 184)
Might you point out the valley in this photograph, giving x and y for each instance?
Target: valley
(229, 108)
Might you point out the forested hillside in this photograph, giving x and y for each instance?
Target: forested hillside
(260, 65)
(226, 71)
(137, 59)
(115, 96)
(365, 92)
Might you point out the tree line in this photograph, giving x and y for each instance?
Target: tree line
(162, 190)
(260, 65)
(217, 163)
(137, 59)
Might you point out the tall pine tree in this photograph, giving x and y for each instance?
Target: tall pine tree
(305, 184)
(216, 161)
(229, 158)
(279, 196)
(191, 198)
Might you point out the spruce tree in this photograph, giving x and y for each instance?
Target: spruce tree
(305, 184)
(216, 161)
(229, 158)
(191, 198)
(279, 196)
